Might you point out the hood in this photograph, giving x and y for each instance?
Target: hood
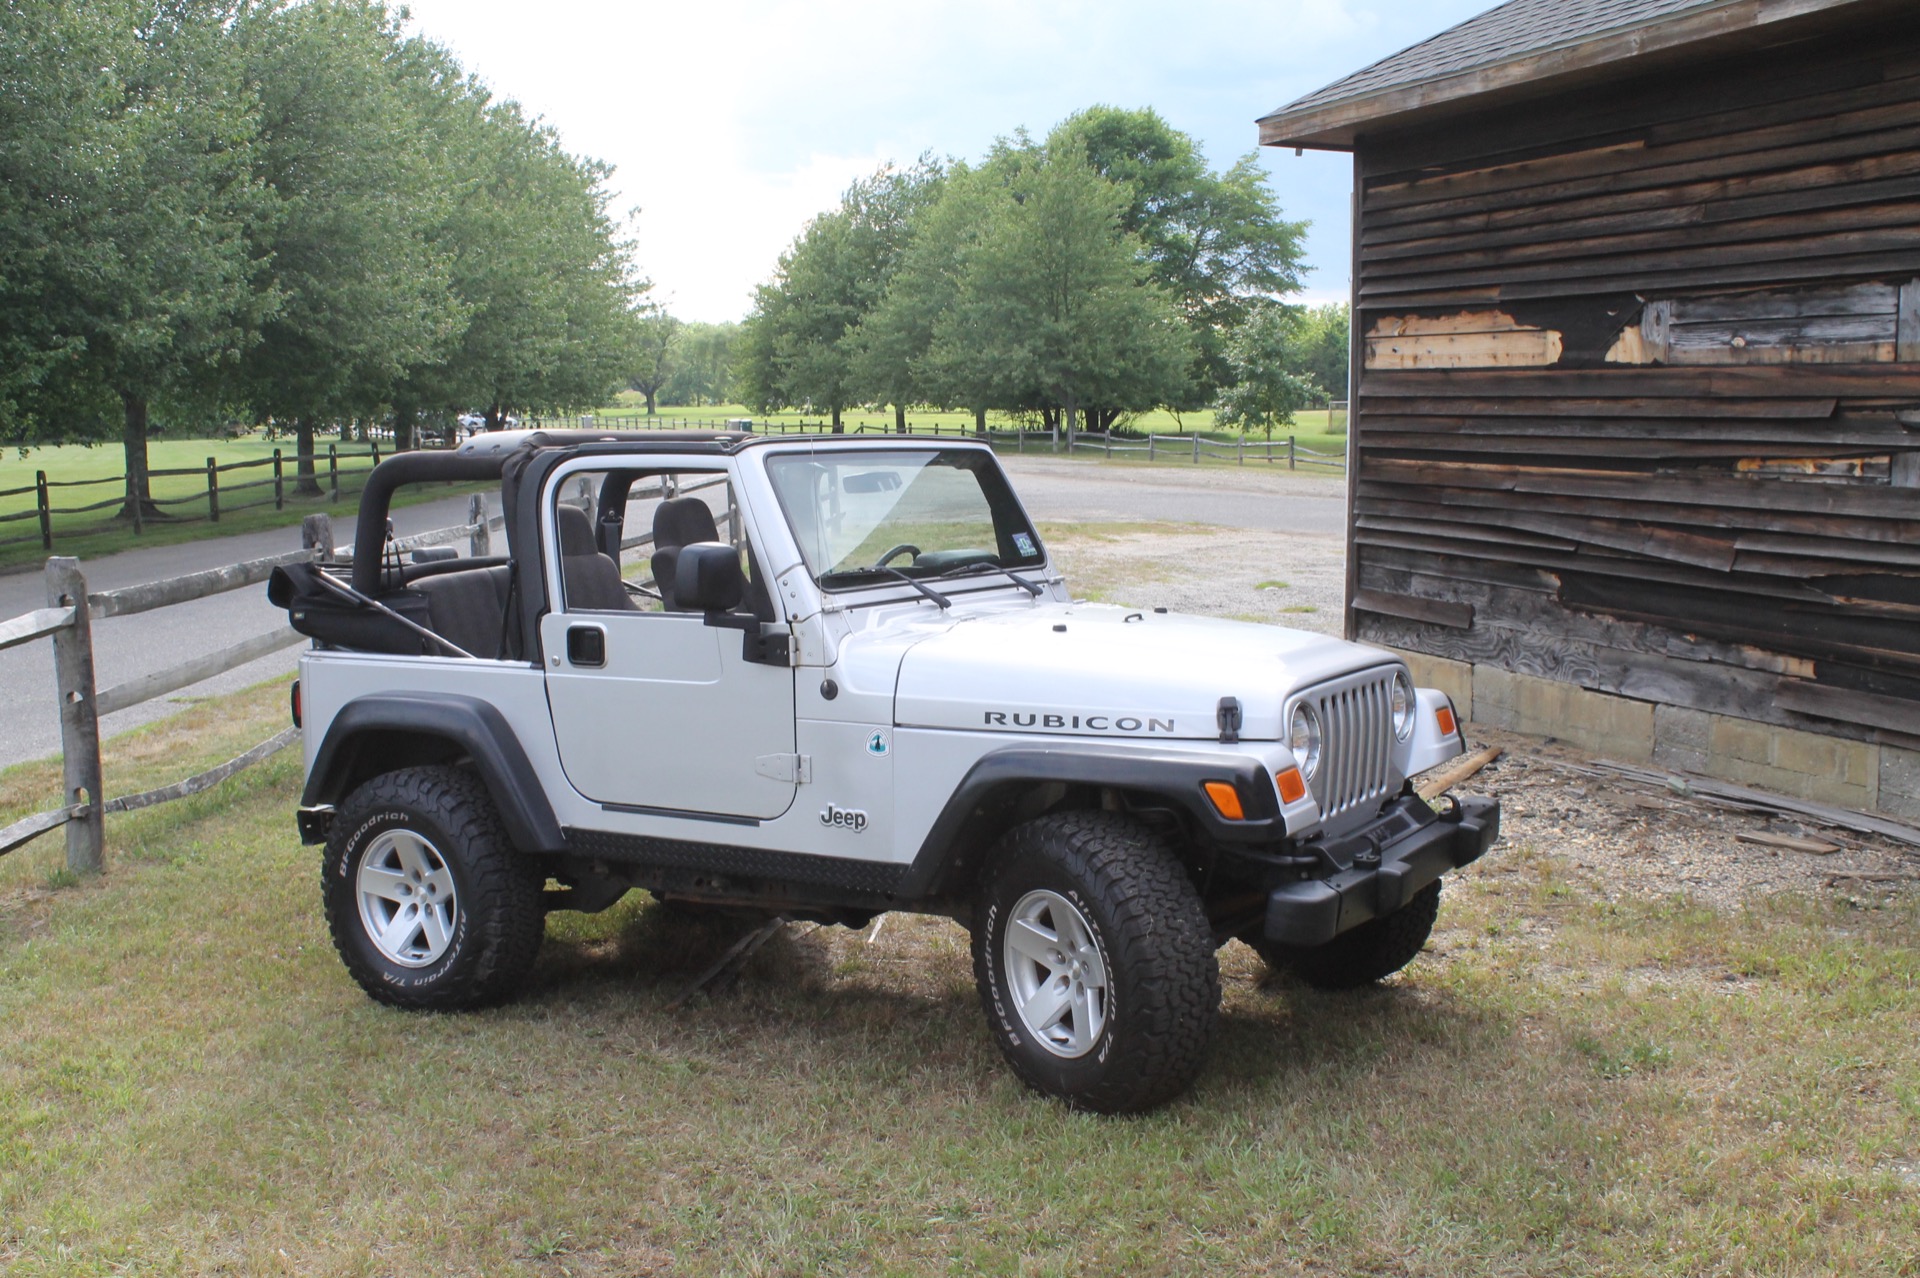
(1097, 670)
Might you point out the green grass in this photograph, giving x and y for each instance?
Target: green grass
(100, 532)
(189, 1083)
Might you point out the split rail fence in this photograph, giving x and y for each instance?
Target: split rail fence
(68, 620)
(219, 495)
(1193, 448)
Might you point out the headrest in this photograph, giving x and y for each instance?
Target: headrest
(682, 522)
(576, 533)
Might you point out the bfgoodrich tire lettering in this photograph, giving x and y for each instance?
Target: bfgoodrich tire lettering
(1104, 914)
(435, 834)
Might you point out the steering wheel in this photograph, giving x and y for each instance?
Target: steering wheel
(903, 548)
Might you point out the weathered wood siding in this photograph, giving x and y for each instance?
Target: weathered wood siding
(1639, 397)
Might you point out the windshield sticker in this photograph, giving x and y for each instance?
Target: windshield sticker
(1023, 544)
(877, 744)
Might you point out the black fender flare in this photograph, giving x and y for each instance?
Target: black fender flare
(1178, 776)
(468, 727)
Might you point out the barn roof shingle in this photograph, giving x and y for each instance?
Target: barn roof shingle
(1515, 44)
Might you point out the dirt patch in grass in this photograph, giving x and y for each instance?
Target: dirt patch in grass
(1600, 1065)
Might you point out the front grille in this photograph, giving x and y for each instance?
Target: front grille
(1356, 752)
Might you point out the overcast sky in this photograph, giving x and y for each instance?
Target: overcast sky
(731, 122)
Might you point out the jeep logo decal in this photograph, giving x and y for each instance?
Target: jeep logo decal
(1077, 722)
(844, 819)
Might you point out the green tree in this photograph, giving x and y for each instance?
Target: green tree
(363, 297)
(796, 347)
(702, 364)
(1217, 241)
(1326, 347)
(1053, 306)
(655, 354)
(1262, 356)
(125, 267)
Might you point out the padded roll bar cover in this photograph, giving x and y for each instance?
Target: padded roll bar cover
(467, 726)
(370, 528)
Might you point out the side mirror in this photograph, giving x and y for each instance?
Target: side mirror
(708, 578)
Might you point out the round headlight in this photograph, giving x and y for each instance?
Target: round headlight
(1404, 705)
(1303, 736)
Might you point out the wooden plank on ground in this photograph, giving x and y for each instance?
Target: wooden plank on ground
(1435, 786)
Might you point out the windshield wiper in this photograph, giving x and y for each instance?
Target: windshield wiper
(967, 570)
(887, 570)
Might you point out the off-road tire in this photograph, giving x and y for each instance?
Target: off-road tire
(1371, 952)
(1162, 994)
(498, 920)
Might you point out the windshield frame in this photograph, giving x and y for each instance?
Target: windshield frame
(1003, 508)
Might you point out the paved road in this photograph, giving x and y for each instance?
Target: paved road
(127, 647)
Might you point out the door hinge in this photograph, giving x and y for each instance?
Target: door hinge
(794, 768)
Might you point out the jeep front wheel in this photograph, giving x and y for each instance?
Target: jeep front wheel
(1094, 962)
(428, 904)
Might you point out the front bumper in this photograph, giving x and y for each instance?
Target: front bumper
(1386, 864)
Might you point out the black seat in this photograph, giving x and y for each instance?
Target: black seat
(468, 608)
(677, 524)
(589, 580)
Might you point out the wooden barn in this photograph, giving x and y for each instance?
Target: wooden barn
(1636, 427)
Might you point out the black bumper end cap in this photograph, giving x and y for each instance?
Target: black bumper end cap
(315, 823)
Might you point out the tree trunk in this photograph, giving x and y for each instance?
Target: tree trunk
(651, 410)
(838, 427)
(403, 416)
(1072, 413)
(899, 419)
(495, 415)
(305, 485)
(133, 441)
(980, 422)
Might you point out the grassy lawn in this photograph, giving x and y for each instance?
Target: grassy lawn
(189, 1083)
(99, 532)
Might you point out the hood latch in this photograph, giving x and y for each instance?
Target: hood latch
(1228, 717)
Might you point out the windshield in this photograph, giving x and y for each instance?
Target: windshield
(926, 513)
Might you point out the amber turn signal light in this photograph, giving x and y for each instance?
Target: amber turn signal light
(1226, 800)
(1447, 726)
(1293, 786)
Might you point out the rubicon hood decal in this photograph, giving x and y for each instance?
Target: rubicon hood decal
(1095, 670)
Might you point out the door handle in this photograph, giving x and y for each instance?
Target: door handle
(586, 646)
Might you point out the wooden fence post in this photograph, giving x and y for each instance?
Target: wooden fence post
(46, 509)
(1149, 445)
(316, 533)
(333, 473)
(79, 725)
(279, 483)
(1243, 450)
(1196, 448)
(1290, 457)
(213, 490)
(480, 543)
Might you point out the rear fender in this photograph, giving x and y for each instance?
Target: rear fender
(387, 731)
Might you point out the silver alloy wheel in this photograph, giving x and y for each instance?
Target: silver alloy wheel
(407, 901)
(1055, 973)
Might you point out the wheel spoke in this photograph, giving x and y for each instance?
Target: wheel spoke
(1033, 941)
(1073, 933)
(1047, 1005)
(1086, 1020)
(388, 885)
(434, 923)
(397, 936)
(413, 856)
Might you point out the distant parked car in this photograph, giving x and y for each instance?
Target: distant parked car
(470, 422)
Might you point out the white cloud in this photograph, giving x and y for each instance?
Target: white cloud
(732, 122)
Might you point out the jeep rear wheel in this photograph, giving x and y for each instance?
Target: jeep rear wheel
(1094, 962)
(428, 904)
(1371, 952)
